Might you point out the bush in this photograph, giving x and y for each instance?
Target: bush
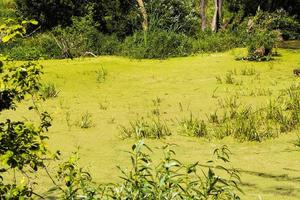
(266, 30)
(47, 45)
(50, 13)
(40, 46)
(82, 37)
(25, 52)
(261, 44)
(216, 42)
(156, 44)
(288, 25)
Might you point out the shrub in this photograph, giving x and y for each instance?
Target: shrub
(104, 44)
(170, 179)
(263, 36)
(6, 13)
(39, 46)
(23, 149)
(261, 44)
(288, 25)
(47, 45)
(215, 42)
(156, 44)
(50, 13)
(25, 52)
(82, 37)
(76, 40)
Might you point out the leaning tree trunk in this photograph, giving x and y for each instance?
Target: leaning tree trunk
(203, 14)
(216, 24)
(144, 14)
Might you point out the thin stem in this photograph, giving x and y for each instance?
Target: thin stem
(53, 181)
(40, 196)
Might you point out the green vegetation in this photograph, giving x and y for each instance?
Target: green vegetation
(65, 125)
(151, 29)
(147, 87)
(193, 127)
(48, 90)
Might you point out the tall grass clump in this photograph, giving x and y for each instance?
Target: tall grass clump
(152, 127)
(244, 124)
(192, 126)
(229, 78)
(49, 90)
(85, 121)
(280, 115)
(248, 72)
(101, 75)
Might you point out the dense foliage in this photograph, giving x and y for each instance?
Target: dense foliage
(72, 28)
(50, 13)
(22, 143)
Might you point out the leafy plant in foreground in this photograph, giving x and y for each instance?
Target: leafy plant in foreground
(22, 143)
(171, 179)
(73, 181)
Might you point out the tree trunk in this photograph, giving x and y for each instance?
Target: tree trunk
(220, 6)
(203, 14)
(216, 22)
(144, 14)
